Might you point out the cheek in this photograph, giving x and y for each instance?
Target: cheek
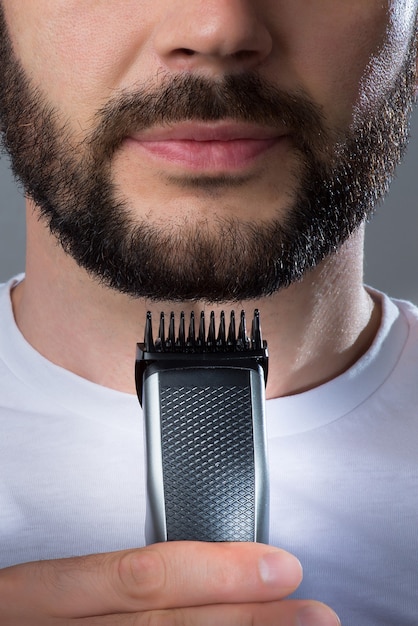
(344, 53)
(403, 17)
(386, 65)
(79, 52)
(352, 68)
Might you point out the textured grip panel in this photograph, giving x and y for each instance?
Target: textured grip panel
(208, 463)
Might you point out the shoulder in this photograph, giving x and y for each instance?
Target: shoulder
(6, 287)
(409, 311)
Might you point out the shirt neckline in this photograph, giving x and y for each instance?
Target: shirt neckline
(286, 416)
(291, 415)
(58, 386)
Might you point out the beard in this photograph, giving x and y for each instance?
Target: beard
(338, 183)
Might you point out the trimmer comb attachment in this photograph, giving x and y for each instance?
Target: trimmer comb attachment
(203, 396)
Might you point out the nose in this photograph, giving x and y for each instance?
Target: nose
(212, 36)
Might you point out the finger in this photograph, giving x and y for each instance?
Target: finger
(285, 613)
(174, 574)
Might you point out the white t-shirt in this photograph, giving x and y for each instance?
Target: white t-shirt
(343, 456)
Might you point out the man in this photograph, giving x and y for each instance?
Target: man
(181, 155)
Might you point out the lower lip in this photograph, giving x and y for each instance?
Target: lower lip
(212, 156)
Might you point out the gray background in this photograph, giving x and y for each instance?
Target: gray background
(391, 243)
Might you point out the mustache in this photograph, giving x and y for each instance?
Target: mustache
(242, 98)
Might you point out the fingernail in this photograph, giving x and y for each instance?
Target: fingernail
(280, 568)
(317, 615)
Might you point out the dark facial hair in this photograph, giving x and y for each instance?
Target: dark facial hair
(229, 259)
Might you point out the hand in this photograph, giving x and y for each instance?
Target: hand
(171, 584)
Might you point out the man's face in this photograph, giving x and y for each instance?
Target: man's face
(215, 150)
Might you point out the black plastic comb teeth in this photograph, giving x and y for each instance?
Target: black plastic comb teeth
(200, 342)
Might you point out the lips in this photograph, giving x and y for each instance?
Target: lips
(213, 148)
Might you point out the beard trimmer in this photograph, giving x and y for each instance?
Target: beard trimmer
(203, 398)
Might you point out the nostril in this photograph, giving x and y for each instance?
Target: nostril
(186, 51)
(244, 55)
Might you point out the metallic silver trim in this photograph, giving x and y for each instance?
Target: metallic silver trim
(262, 491)
(155, 523)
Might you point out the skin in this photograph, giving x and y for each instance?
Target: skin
(227, 584)
(343, 54)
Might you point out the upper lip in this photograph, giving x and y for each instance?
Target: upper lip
(207, 131)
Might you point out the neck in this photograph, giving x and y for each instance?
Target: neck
(315, 329)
